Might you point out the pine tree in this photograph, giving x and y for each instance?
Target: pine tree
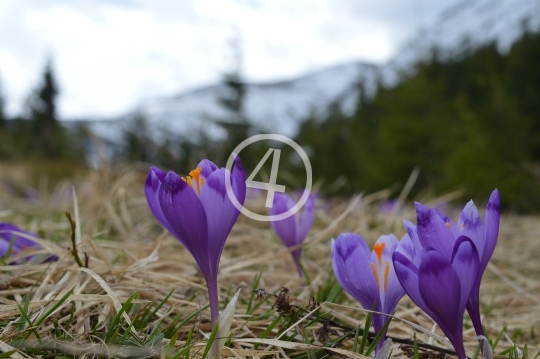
(232, 101)
(3, 117)
(137, 143)
(49, 139)
(6, 140)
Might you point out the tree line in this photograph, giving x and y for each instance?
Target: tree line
(469, 123)
(37, 133)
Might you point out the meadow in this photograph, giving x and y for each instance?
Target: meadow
(124, 287)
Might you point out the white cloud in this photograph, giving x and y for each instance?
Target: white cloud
(111, 54)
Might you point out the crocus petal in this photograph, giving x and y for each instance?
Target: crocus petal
(9, 232)
(407, 274)
(456, 231)
(406, 247)
(433, 232)
(465, 262)
(4, 247)
(434, 270)
(389, 287)
(308, 217)
(392, 291)
(443, 304)
(293, 229)
(238, 179)
(491, 223)
(207, 167)
(152, 187)
(412, 232)
(221, 214)
(186, 217)
(473, 308)
(491, 231)
(471, 226)
(352, 268)
(286, 228)
(443, 216)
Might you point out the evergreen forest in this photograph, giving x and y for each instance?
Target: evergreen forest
(471, 123)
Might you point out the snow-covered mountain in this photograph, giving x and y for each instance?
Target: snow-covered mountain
(274, 107)
(278, 107)
(467, 24)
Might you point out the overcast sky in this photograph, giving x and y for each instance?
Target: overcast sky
(109, 55)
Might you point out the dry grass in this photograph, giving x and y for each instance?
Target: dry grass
(76, 311)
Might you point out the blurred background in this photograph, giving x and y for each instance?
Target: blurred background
(372, 90)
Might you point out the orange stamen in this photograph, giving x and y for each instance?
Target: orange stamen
(376, 275)
(448, 225)
(195, 176)
(386, 271)
(378, 249)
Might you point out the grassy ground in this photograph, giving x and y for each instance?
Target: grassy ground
(139, 294)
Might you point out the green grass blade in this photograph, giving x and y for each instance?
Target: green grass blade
(24, 315)
(172, 341)
(254, 287)
(211, 340)
(179, 323)
(496, 342)
(365, 335)
(54, 307)
(188, 342)
(416, 355)
(127, 332)
(116, 319)
(378, 337)
(160, 305)
(7, 354)
(476, 352)
(10, 248)
(268, 330)
(355, 343)
(173, 326)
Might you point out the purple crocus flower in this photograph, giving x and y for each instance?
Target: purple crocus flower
(198, 212)
(441, 286)
(435, 230)
(293, 230)
(368, 276)
(12, 235)
(389, 206)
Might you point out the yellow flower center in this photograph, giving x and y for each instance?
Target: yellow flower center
(195, 180)
(378, 249)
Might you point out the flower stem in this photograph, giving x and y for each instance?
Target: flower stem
(473, 308)
(296, 259)
(213, 297)
(299, 268)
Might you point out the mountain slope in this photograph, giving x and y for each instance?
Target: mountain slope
(276, 107)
